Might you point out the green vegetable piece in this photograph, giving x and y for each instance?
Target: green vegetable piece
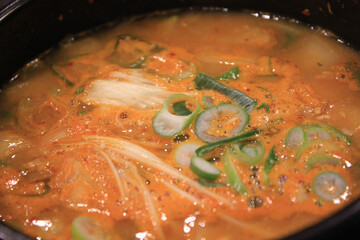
(208, 183)
(330, 129)
(270, 162)
(355, 71)
(295, 137)
(57, 72)
(204, 121)
(185, 152)
(203, 168)
(232, 175)
(329, 185)
(208, 101)
(5, 114)
(46, 191)
(249, 152)
(289, 39)
(84, 228)
(323, 159)
(265, 106)
(4, 164)
(317, 133)
(203, 81)
(181, 109)
(132, 52)
(336, 132)
(232, 74)
(326, 145)
(167, 124)
(79, 90)
(202, 151)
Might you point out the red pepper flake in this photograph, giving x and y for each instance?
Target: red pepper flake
(172, 54)
(300, 116)
(248, 89)
(60, 152)
(306, 12)
(61, 17)
(70, 63)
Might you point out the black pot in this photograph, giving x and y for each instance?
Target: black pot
(29, 27)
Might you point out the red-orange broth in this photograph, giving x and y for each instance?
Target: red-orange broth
(83, 156)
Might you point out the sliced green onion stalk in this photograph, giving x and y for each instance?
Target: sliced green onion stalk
(250, 152)
(185, 152)
(321, 160)
(232, 175)
(232, 74)
(317, 133)
(224, 114)
(203, 81)
(84, 228)
(57, 72)
(290, 37)
(208, 101)
(336, 132)
(295, 137)
(328, 146)
(202, 151)
(330, 129)
(208, 183)
(47, 189)
(203, 168)
(329, 185)
(270, 162)
(167, 124)
(132, 52)
(265, 106)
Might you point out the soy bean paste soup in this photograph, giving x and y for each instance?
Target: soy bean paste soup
(199, 125)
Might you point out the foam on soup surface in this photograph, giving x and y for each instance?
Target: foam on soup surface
(196, 125)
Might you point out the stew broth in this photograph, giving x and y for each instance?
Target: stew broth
(98, 136)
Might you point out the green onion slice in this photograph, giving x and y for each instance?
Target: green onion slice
(203, 81)
(232, 175)
(208, 183)
(270, 162)
(132, 52)
(84, 228)
(329, 185)
(323, 159)
(168, 124)
(221, 122)
(317, 133)
(232, 74)
(203, 168)
(202, 151)
(295, 137)
(250, 152)
(185, 152)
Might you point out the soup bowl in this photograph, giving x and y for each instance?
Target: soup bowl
(30, 27)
